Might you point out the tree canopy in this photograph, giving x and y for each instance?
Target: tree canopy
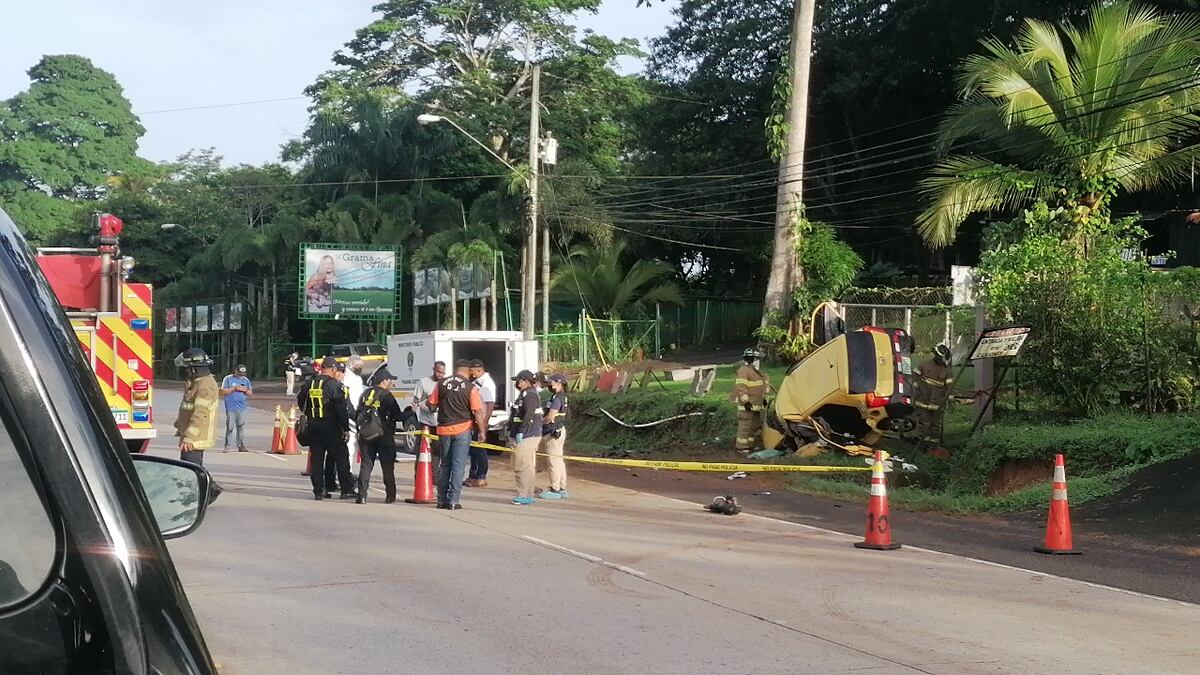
(62, 139)
(1069, 113)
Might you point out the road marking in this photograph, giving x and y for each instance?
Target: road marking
(563, 549)
(622, 568)
(1013, 568)
(272, 456)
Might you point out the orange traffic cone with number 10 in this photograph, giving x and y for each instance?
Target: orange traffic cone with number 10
(1058, 524)
(423, 475)
(879, 527)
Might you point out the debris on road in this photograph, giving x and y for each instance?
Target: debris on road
(726, 504)
(736, 475)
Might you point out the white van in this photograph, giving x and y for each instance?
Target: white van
(504, 354)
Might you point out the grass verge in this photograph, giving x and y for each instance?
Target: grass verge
(1101, 452)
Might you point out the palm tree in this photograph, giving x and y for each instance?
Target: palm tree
(1070, 114)
(610, 289)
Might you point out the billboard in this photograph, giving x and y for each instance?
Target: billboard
(218, 317)
(185, 323)
(235, 316)
(348, 281)
(432, 286)
(201, 318)
(172, 320)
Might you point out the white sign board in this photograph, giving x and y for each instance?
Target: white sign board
(411, 357)
(995, 343)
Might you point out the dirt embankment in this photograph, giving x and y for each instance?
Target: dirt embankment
(1160, 503)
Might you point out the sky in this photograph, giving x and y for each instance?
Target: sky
(171, 55)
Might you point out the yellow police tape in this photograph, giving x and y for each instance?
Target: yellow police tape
(677, 466)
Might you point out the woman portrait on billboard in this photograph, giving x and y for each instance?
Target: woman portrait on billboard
(319, 289)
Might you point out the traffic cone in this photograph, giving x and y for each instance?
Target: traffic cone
(1058, 524)
(423, 475)
(276, 438)
(290, 446)
(879, 527)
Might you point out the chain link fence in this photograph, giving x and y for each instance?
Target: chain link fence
(929, 325)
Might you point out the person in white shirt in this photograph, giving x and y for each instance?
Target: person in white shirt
(420, 397)
(477, 477)
(355, 387)
(291, 368)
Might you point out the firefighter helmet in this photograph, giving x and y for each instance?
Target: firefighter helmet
(751, 353)
(193, 357)
(726, 504)
(943, 353)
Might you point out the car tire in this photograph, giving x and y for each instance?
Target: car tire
(409, 443)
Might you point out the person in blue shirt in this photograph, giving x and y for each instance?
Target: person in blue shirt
(235, 388)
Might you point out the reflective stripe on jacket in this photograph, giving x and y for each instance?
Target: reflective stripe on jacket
(750, 386)
(197, 421)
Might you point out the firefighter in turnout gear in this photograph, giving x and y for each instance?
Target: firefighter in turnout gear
(750, 394)
(196, 425)
(933, 384)
(323, 401)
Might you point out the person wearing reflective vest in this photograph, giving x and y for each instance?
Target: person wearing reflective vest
(323, 401)
(382, 449)
(196, 425)
(750, 394)
(554, 436)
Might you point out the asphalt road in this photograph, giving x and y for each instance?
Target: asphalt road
(619, 581)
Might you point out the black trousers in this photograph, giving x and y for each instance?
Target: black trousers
(327, 442)
(382, 449)
(331, 476)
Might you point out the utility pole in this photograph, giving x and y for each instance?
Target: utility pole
(785, 272)
(529, 283)
(545, 285)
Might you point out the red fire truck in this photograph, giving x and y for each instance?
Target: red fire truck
(112, 320)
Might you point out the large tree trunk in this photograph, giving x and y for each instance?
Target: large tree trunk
(786, 273)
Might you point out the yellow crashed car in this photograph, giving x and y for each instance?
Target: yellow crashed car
(845, 394)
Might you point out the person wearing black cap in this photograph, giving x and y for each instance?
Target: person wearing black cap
(459, 408)
(382, 448)
(554, 433)
(331, 459)
(324, 403)
(525, 426)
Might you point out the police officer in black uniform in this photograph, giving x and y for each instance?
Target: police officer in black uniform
(379, 396)
(324, 402)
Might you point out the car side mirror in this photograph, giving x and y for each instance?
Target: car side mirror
(178, 492)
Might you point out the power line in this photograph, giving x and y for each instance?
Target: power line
(1190, 80)
(213, 106)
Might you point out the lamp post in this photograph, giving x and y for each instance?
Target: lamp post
(184, 228)
(530, 266)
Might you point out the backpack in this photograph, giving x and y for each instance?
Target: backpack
(368, 420)
(303, 435)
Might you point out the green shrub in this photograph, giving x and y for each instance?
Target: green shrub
(1091, 446)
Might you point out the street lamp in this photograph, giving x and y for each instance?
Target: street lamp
(184, 228)
(426, 119)
(529, 268)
